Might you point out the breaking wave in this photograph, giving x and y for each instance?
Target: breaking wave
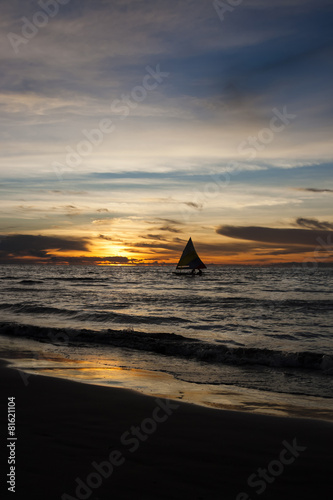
(173, 345)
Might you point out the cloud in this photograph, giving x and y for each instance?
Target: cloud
(315, 190)
(107, 238)
(230, 248)
(307, 237)
(71, 210)
(102, 222)
(158, 237)
(154, 246)
(71, 193)
(314, 224)
(172, 221)
(282, 251)
(93, 260)
(192, 204)
(22, 245)
(68, 210)
(170, 229)
(169, 226)
(22, 249)
(211, 250)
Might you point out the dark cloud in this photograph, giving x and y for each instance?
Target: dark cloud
(172, 200)
(283, 251)
(314, 224)
(315, 190)
(213, 250)
(84, 261)
(227, 249)
(63, 192)
(158, 237)
(103, 237)
(72, 210)
(191, 204)
(170, 225)
(307, 237)
(169, 228)
(16, 249)
(16, 245)
(179, 240)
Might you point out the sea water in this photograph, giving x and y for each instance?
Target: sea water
(260, 334)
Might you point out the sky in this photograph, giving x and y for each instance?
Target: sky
(127, 126)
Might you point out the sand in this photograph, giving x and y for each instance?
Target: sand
(79, 441)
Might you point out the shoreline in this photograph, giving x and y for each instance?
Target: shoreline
(161, 384)
(156, 448)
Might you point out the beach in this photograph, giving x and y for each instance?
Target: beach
(76, 440)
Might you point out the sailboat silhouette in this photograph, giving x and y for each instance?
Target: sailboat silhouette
(190, 260)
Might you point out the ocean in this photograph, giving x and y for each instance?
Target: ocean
(249, 338)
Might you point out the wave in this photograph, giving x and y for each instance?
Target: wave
(23, 289)
(54, 278)
(98, 316)
(296, 305)
(173, 345)
(34, 309)
(245, 303)
(9, 278)
(30, 282)
(81, 278)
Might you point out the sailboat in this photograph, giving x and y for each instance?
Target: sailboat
(190, 260)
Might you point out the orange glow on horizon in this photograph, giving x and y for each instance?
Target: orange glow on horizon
(102, 253)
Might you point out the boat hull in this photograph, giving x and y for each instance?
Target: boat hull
(188, 275)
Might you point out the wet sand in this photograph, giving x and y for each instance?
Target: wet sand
(81, 441)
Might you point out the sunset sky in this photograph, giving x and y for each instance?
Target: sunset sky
(128, 126)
